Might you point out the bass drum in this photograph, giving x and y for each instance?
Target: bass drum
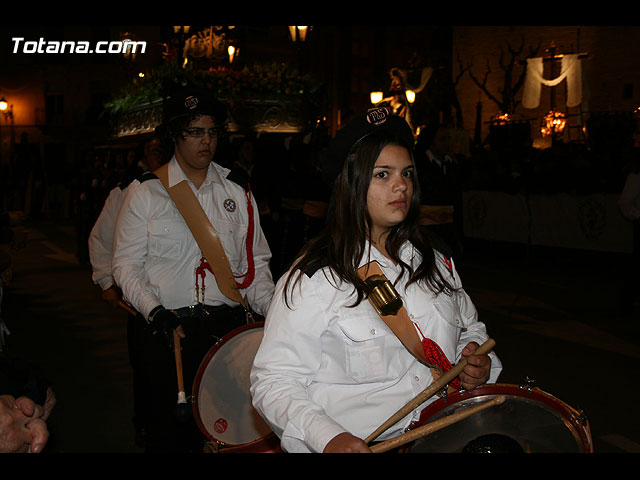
(221, 398)
(529, 421)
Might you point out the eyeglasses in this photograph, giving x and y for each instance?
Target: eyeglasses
(198, 132)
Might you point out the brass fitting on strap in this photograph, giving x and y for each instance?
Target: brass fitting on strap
(383, 295)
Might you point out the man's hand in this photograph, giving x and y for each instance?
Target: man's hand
(478, 367)
(22, 429)
(112, 296)
(164, 322)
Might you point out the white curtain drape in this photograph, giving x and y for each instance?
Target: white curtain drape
(571, 71)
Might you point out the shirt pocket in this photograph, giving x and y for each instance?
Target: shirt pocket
(448, 310)
(367, 350)
(166, 238)
(232, 236)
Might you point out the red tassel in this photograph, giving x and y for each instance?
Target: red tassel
(251, 271)
(435, 356)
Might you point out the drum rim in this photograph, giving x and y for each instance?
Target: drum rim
(198, 380)
(568, 413)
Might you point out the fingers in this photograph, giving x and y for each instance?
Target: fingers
(21, 428)
(28, 407)
(478, 367)
(39, 435)
(346, 443)
(49, 403)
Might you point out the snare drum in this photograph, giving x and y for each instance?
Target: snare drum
(221, 399)
(529, 421)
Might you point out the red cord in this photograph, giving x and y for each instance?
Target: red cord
(251, 271)
(201, 270)
(435, 356)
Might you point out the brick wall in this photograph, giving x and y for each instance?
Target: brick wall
(611, 73)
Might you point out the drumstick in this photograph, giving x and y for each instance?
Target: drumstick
(182, 410)
(434, 426)
(126, 307)
(431, 390)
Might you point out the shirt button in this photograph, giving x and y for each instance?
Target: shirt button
(416, 378)
(373, 331)
(166, 229)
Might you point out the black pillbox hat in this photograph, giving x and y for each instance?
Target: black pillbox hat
(193, 101)
(376, 120)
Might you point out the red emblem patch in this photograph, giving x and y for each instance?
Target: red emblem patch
(221, 425)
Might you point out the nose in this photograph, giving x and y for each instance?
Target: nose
(401, 183)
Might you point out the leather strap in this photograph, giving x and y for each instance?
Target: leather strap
(204, 233)
(400, 323)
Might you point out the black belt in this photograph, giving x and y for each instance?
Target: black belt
(199, 310)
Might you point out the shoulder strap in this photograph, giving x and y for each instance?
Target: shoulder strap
(388, 304)
(204, 233)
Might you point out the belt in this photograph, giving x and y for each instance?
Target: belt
(199, 310)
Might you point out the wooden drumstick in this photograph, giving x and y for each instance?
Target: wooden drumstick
(178, 355)
(127, 308)
(434, 426)
(183, 411)
(431, 390)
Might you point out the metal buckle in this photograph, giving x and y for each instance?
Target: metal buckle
(383, 295)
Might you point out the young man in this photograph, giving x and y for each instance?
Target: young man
(164, 274)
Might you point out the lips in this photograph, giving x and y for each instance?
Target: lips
(401, 203)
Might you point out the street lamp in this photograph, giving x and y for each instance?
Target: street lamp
(376, 97)
(6, 109)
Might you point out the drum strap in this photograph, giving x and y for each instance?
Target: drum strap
(204, 233)
(388, 304)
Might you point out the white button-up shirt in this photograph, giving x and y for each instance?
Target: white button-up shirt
(324, 368)
(101, 239)
(156, 256)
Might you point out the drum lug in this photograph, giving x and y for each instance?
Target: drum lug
(579, 417)
(211, 447)
(528, 384)
(443, 393)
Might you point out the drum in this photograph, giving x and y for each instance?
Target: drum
(221, 398)
(528, 421)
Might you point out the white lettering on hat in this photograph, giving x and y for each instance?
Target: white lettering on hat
(377, 116)
(191, 102)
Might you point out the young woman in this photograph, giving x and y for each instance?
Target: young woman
(329, 370)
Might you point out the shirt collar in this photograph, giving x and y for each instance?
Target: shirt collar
(177, 175)
(371, 253)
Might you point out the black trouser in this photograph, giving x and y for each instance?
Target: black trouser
(136, 326)
(165, 433)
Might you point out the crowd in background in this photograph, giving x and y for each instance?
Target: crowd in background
(286, 179)
(285, 174)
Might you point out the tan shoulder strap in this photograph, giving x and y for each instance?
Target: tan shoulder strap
(204, 233)
(388, 304)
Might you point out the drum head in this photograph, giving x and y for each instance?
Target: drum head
(527, 422)
(222, 400)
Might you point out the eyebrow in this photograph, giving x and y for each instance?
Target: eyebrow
(408, 167)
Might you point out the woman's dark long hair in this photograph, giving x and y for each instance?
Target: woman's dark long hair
(342, 244)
